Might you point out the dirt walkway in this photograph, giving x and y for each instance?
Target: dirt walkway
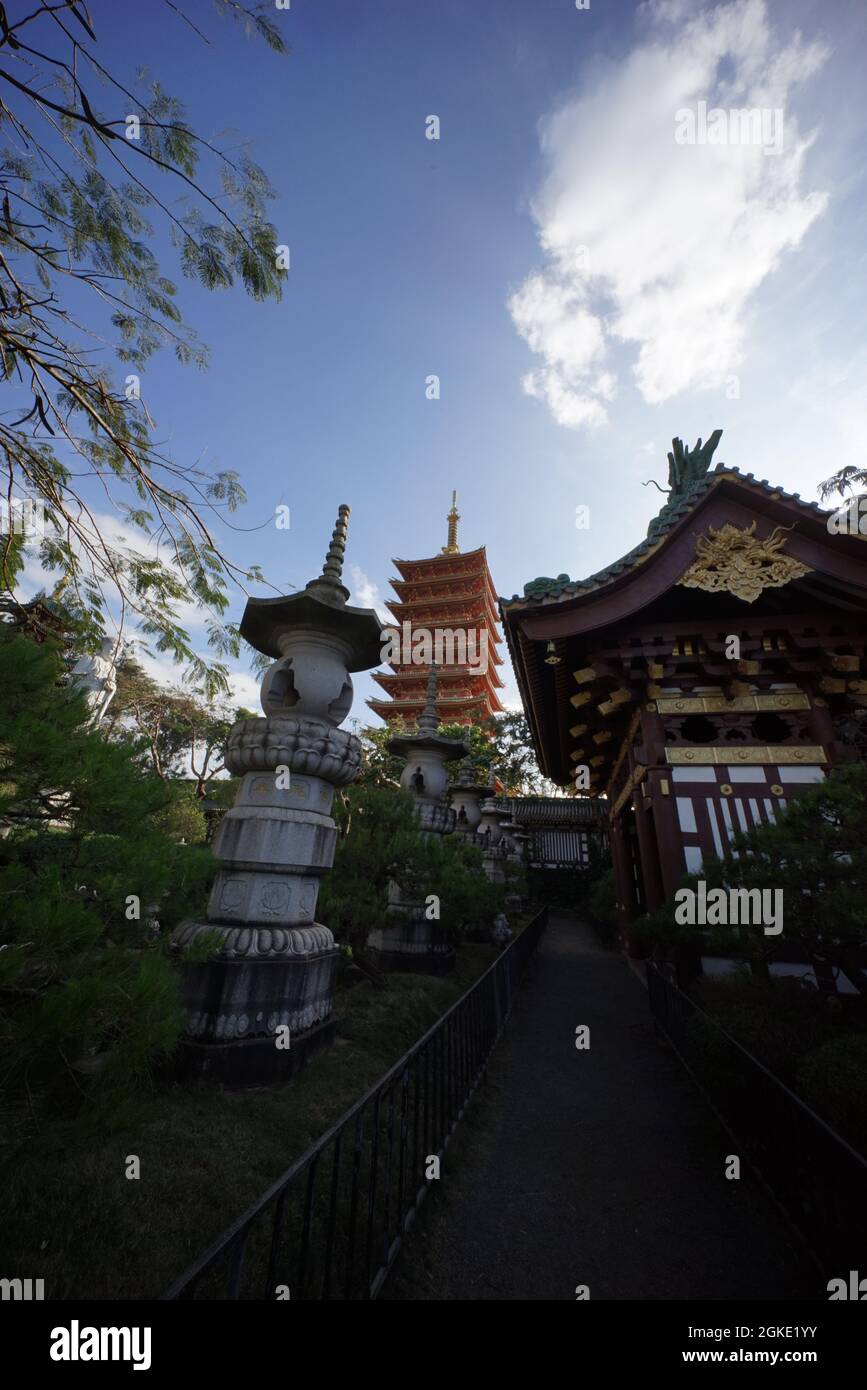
(602, 1167)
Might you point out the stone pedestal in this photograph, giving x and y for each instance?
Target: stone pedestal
(259, 1005)
(416, 945)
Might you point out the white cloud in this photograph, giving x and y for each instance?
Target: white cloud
(245, 690)
(654, 245)
(365, 593)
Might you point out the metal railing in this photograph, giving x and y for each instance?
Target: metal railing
(331, 1226)
(817, 1178)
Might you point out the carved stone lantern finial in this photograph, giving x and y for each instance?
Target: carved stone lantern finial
(428, 722)
(332, 569)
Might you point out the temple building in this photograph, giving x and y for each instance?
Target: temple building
(698, 682)
(445, 611)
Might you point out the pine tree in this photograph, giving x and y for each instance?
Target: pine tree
(89, 1001)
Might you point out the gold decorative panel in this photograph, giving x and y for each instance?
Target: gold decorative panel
(718, 704)
(767, 753)
(739, 562)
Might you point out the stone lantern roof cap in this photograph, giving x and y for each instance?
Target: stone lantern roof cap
(320, 606)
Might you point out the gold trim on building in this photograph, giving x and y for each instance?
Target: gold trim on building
(780, 753)
(625, 746)
(586, 674)
(739, 562)
(638, 773)
(718, 704)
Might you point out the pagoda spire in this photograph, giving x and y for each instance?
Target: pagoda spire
(329, 585)
(451, 547)
(428, 722)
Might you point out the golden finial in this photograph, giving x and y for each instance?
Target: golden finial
(452, 547)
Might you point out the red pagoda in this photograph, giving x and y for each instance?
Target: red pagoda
(445, 613)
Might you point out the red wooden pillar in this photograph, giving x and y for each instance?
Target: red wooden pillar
(651, 874)
(672, 865)
(624, 882)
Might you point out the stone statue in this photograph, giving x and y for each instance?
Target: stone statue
(96, 674)
(501, 933)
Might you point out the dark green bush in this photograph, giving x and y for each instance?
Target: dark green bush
(89, 1001)
(833, 1080)
(777, 1021)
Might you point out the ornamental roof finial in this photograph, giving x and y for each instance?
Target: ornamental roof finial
(329, 583)
(333, 567)
(451, 547)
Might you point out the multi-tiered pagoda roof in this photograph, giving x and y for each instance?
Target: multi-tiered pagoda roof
(450, 593)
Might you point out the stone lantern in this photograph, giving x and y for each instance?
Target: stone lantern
(419, 944)
(508, 829)
(260, 1005)
(466, 796)
(491, 818)
(495, 850)
(522, 839)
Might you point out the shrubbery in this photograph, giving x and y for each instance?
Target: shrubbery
(381, 842)
(88, 999)
(833, 1080)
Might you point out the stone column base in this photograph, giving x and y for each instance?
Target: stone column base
(250, 1061)
(419, 948)
(259, 981)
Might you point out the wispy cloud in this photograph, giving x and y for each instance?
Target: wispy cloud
(366, 593)
(657, 247)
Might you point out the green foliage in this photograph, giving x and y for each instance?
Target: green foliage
(183, 819)
(88, 999)
(83, 197)
(602, 898)
(775, 1019)
(833, 1080)
(381, 842)
(469, 902)
(379, 768)
(500, 748)
(178, 732)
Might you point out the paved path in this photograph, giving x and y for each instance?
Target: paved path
(603, 1167)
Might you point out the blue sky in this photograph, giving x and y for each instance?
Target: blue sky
(717, 287)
